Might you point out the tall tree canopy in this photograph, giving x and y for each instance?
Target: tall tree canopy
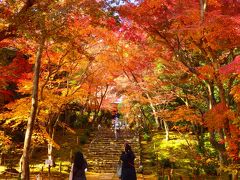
(199, 52)
(180, 59)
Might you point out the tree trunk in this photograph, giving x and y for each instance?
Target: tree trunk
(166, 129)
(150, 100)
(52, 129)
(153, 110)
(203, 5)
(235, 175)
(220, 148)
(211, 100)
(27, 141)
(103, 95)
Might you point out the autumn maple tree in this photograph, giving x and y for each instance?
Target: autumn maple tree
(60, 33)
(13, 67)
(173, 61)
(201, 39)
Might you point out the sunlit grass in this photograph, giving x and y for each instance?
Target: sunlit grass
(2, 169)
(69, 145)
(179, 150)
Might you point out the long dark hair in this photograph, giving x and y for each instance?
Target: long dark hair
(128, 148)
(129, 151)
(78, 160)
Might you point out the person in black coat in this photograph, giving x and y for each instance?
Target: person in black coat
(79, 167)
(128, 169)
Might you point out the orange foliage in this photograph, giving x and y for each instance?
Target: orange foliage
(206, 72)
(183, 113)
(217, 117)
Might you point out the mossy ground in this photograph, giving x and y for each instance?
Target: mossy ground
(178, 154)
(68, 145)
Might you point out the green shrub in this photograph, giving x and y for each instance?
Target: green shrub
(65, 145)
(146, 137)
(162, 178)
(81, 121)
(146, 129)
(153, 159)
(87, 132)
(166, 163)
(83, 139)
(210, 169)
(196, 171)
(77, 123)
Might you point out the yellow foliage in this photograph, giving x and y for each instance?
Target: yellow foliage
(5, 142)
(19, 112)
(66, 127)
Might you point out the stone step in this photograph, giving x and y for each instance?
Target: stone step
(115, 148)
(111, 141)
(116, 159)
(108, 140)
(107, 149)
(113, 144)
(107, 161)
(120, 140)
(109, 165)
(103, 151)
(104, 155)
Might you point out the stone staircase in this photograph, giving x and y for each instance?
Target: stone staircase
(103, 152)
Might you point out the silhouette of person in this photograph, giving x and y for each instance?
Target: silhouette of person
(128, 169)
(116, 124)
(78, 168)
(117, 128)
